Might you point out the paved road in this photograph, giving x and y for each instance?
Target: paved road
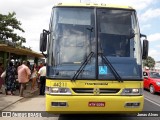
(37, 103)
(152, 98)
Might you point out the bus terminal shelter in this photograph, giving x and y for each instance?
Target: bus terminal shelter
(10, 52)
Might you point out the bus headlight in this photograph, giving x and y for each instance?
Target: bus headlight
(132, 91)
(57, 91)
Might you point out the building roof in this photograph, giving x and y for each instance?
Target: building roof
(94, 5)
(19, 51)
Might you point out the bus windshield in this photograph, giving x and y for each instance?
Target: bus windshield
(77, 32)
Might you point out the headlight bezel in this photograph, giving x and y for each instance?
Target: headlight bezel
(58, 91)
(132, 91)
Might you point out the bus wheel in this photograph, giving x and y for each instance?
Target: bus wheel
(151, 89)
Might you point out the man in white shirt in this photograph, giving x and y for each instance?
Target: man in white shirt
(42, 74)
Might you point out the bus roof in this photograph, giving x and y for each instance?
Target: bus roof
(103, 5)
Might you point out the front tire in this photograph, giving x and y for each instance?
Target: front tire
(152, 89)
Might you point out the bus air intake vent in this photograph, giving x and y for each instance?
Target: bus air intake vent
(83, 90)
(90, 90)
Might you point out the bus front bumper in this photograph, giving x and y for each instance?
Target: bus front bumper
(94, 104)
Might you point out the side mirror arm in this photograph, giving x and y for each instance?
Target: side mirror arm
(142, 35)
(45, 55)
(46, 31)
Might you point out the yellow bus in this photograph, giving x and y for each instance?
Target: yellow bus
(94, 59)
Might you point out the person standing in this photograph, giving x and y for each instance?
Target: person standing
(1, 80)
(23, 76)
(17, 64)
(40, 65)
(42, 75)
(10, 79)
(38, 68)
(33, 76)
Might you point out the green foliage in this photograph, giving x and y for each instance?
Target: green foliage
(9, 23)
(149, 62)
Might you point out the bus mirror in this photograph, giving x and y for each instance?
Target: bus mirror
(43, 41)
(145, 49)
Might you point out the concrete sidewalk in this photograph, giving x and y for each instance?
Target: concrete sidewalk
(7, 100)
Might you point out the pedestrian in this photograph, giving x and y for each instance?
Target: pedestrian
(10, 79)
(29, 65)
(38, 68)
(23, 76)
(33, 76)
(40, 65)
(42, 76)
(1, 79)
(17, 64)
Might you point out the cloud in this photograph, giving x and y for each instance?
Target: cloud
(154, 54)
(34, 16)
(150, 14)
(154, 37)
(158, 46)
(144, 27)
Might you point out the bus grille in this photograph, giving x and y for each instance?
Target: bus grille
(90, 90)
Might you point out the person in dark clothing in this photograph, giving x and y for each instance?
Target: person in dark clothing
(1, 79)
(42, 85)
(42, 74)
(10, 79)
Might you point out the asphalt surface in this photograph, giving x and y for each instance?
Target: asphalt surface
(155, 98)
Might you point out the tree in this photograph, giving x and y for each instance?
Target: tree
(9, 23)
(149, 62)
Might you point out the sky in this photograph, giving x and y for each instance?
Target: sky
(35, 16)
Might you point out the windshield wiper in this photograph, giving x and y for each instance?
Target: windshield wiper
(82, 66)
(107, 63)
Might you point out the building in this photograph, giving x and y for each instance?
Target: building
(9, 51)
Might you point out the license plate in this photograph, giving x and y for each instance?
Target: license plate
(96, 104)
